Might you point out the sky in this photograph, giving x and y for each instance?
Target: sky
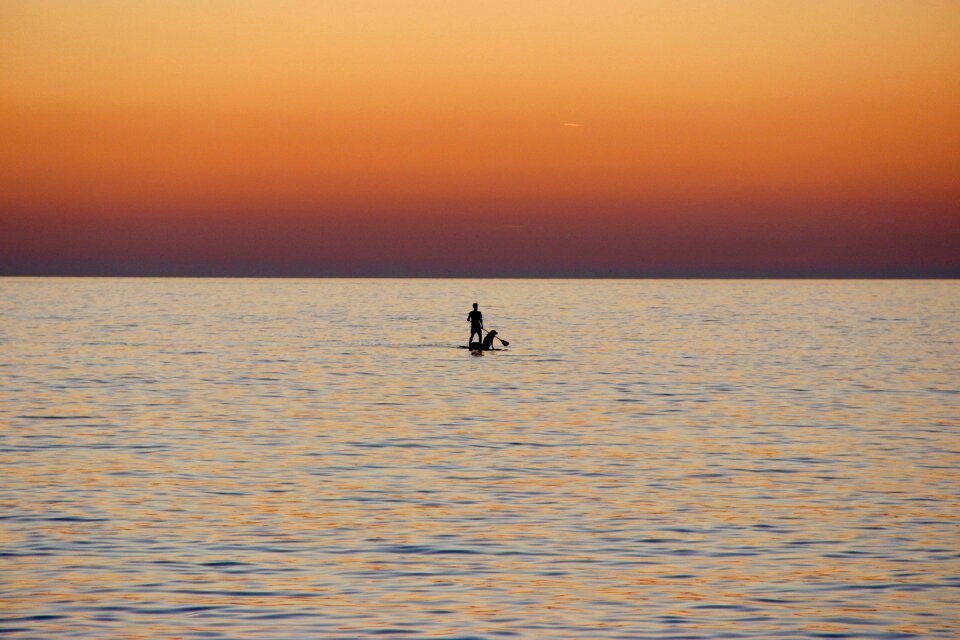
(610, 138)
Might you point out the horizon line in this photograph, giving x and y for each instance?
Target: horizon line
(8, 276)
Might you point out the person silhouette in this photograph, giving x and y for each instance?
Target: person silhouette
(476, 324)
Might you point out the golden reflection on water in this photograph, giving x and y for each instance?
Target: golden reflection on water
(649, 459)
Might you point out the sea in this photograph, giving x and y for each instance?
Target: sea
(315, 458)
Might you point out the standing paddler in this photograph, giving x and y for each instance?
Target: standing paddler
(475, 318)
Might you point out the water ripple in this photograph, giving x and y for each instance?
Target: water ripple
(246, 458)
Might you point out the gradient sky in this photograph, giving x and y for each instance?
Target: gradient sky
(415, 137)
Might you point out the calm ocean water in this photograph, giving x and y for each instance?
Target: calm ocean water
(314, 459)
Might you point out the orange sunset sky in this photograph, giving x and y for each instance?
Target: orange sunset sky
(448, 138)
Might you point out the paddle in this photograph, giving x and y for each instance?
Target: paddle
(502, 341)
